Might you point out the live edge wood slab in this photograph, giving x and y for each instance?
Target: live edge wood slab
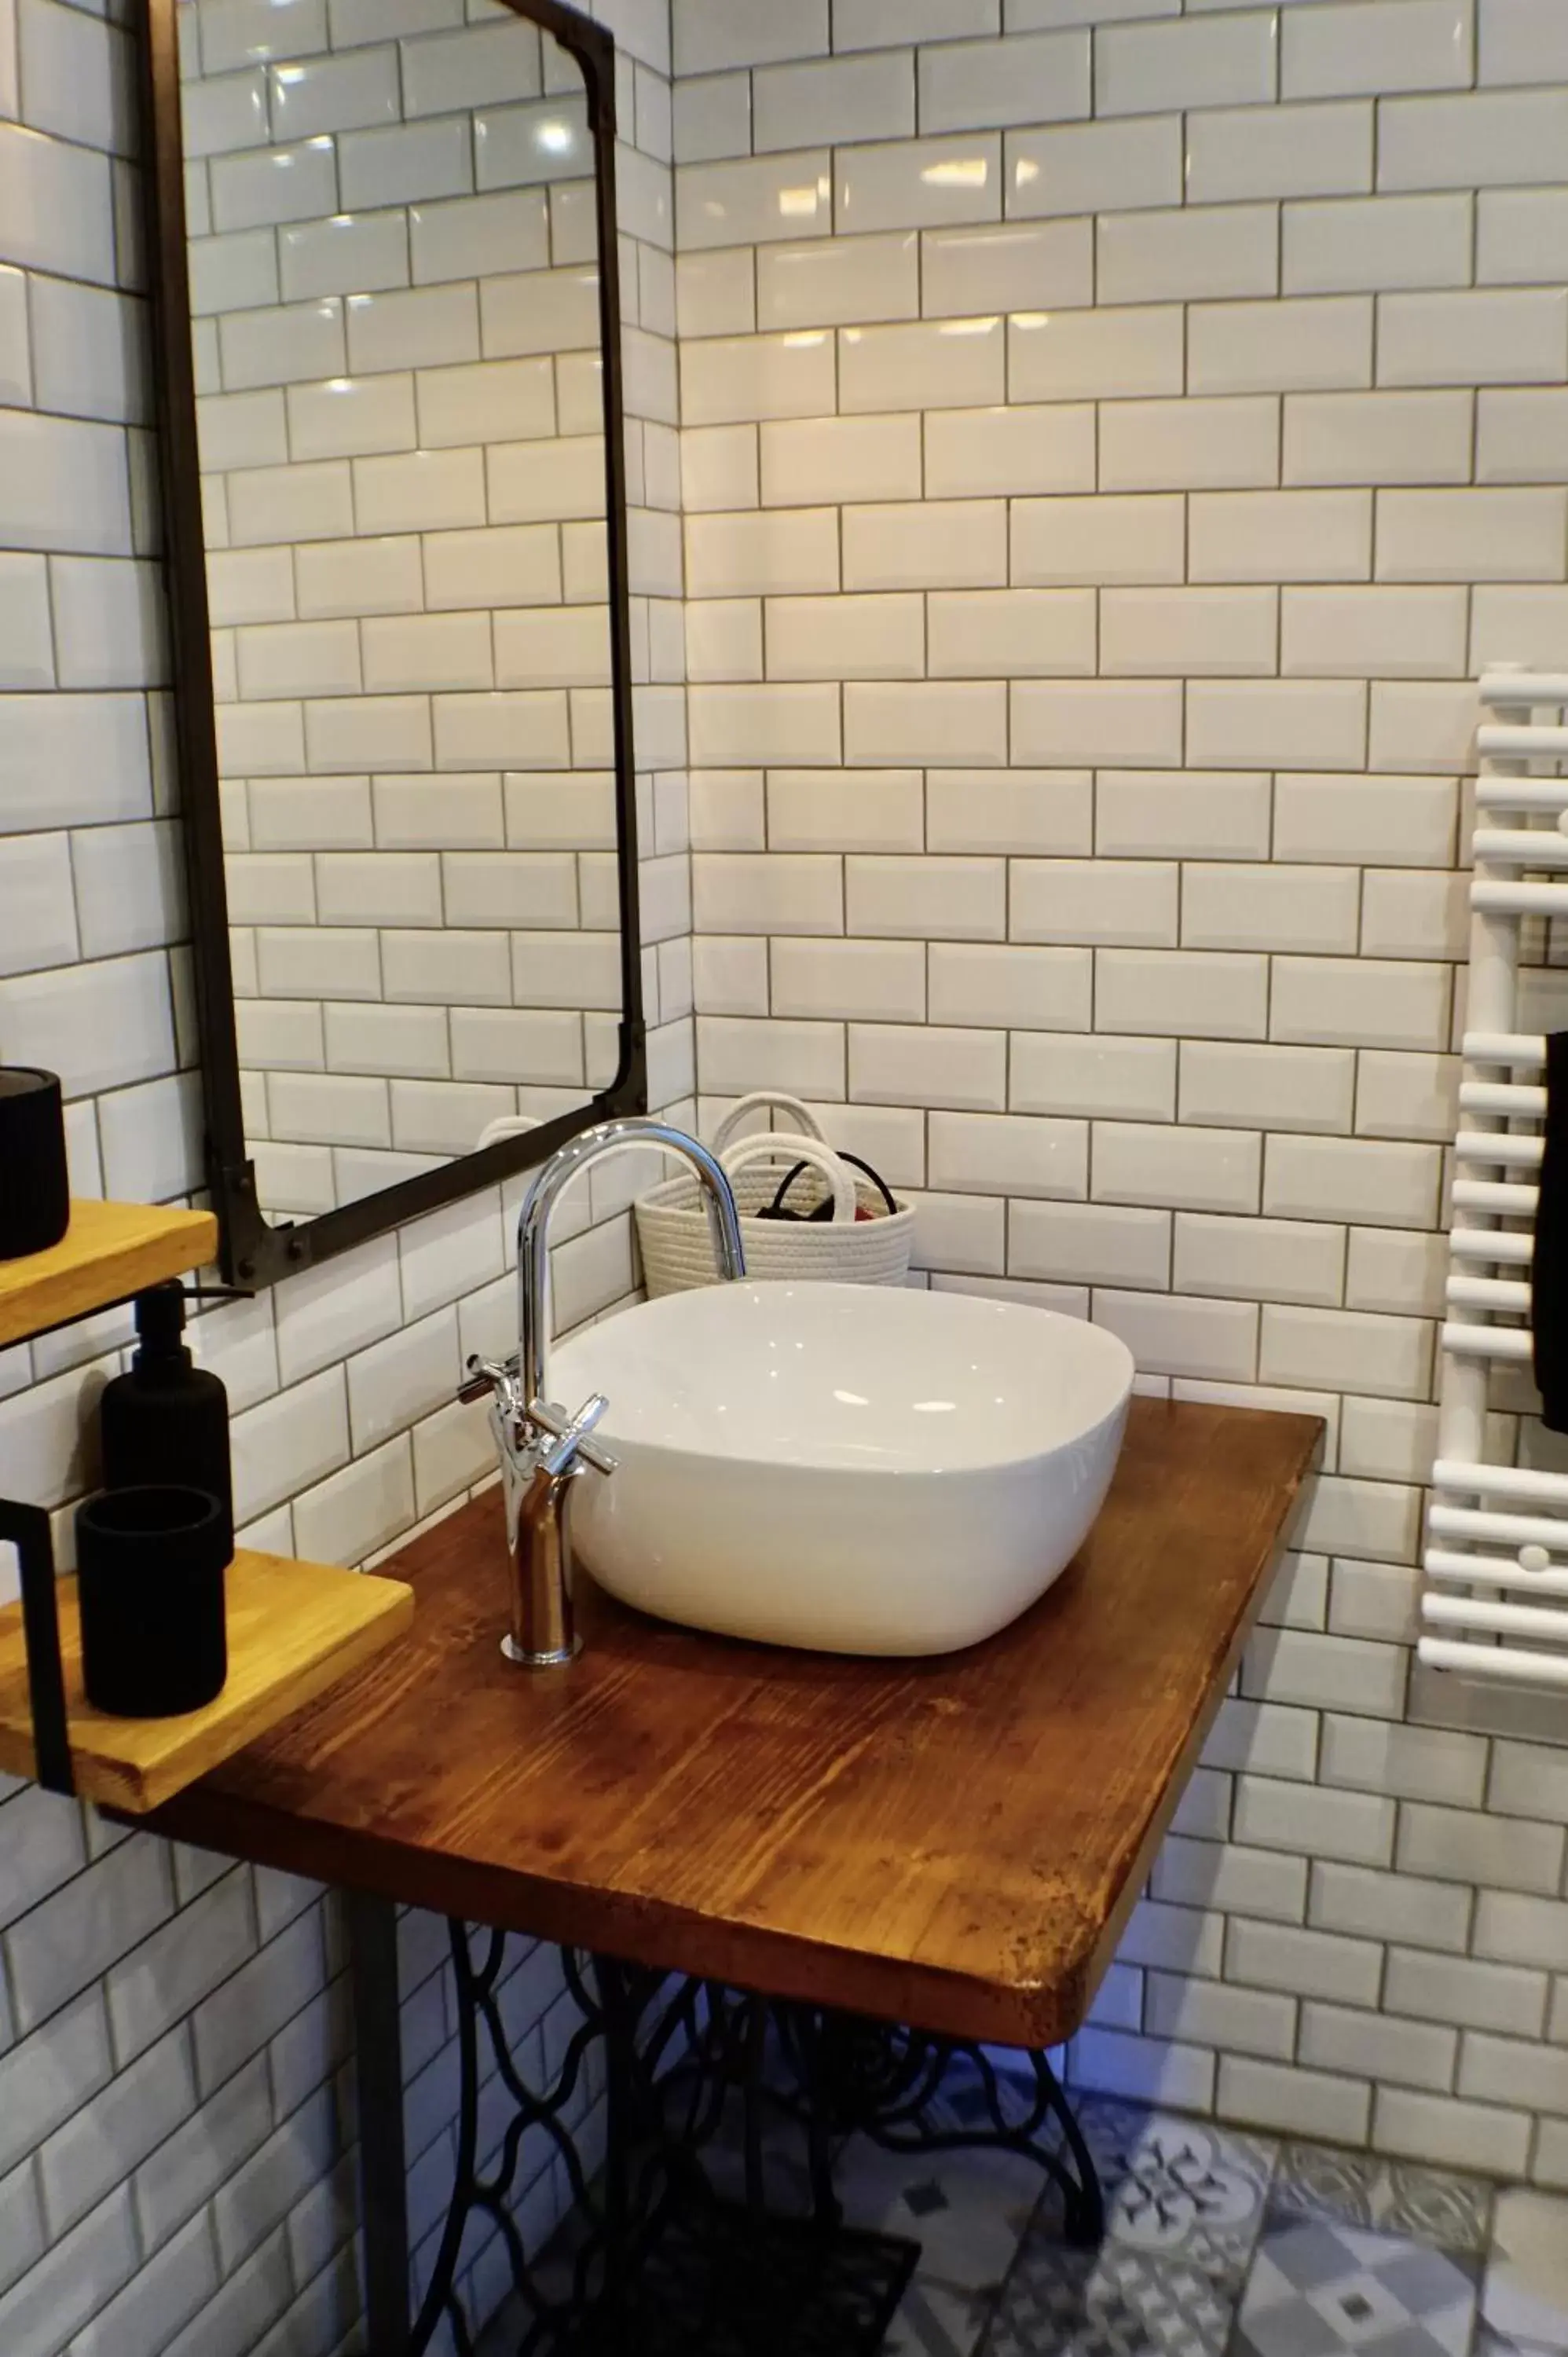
(953, 1843)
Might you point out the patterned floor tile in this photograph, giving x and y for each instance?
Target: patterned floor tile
(1118, 2301)
(938, 2319)
(1524, 2300)
(1431, 2206)
(967, 2211)
(1319, 2288)
(1177, 2186)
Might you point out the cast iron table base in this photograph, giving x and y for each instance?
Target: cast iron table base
(654, 2258)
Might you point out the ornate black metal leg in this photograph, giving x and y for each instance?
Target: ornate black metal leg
(858, 2076)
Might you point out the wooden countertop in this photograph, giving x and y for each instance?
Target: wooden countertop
(954, 1842)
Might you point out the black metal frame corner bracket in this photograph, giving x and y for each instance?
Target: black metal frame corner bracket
(28, 1530)
(673, 2244)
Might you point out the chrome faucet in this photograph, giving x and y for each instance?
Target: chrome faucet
(543, 1450)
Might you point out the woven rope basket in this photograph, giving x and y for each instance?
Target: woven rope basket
(677, 1245)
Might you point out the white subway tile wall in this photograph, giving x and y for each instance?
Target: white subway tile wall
(174, 2032)
(1089, 616)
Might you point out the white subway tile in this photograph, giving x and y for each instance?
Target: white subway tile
(1181, 994)
(914, 1065)
(1290, 151)
(882, 24)
(977, 633)
(1377, 47)
(1384, 1184)
(1213, 1170)
(846, 637)
(1303, 2103)
(1131, 1080)
(1179, 634)
(1502, 336)
(878, 982)
(1280, 347)
(1100, 167)
(924, 546)
(1028, 78)
(1258, 724)
(1087, 723)
(712, 117)
(762, 551)
(822, 810)
(1094, 901)
(1277, 1260)
(1521, 437)
(1070, 542)
(1380, 1906)
(1028, 810)
(1279, 1087)
(1095, 355)
(1309, 1963)
(833, 101)
(1014, 266)
(1386, 242)
(1491, 140)
(936, 364)
(1008, 1154)
(830, 459)
(1023, 989)
(919, 183)
(1189, 444)
(1470, 1845)
(1170, 1335)
(1009, 451)
(1374, 633)
(838, 280)
(728, 380)
(1483, 535)
(1383, 437)
(750, 201)
(1471, 1995)
(946, 722)
(1149, 69)
(1521, 236)
(1090, 1244)
(712, 34)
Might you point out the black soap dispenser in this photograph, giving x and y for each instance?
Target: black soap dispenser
(167, 1422)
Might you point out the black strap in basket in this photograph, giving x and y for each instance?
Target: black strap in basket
(778, 1208)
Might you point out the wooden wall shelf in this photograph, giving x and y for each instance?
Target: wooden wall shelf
(294, 1630)
(109, 1252)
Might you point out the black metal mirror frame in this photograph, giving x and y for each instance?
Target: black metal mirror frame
(254, 1252)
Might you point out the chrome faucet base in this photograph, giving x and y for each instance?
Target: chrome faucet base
(554, 1660)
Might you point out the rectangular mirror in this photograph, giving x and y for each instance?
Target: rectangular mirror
(388, 315)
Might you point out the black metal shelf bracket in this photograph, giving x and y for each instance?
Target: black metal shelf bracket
(28, 1530)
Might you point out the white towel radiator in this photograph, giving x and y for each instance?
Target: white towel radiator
(1496, 1605)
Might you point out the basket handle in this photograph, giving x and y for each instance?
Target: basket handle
(781, 1145)
(805, 1121)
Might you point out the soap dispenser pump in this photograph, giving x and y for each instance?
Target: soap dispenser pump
(166, 1421)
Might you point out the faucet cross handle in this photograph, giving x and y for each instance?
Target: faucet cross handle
(569, 1434)
(494, 1379)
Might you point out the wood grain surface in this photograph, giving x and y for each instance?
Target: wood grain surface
(954, 1842)
(294, 1629)
(109, 1252)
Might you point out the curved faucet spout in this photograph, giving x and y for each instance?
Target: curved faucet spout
(551, 1182)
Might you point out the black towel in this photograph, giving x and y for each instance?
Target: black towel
(1549, 1276)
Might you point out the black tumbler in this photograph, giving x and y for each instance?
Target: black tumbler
(150, 1566)
(35, 1189)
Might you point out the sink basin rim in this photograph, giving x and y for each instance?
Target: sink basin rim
(587, 1361)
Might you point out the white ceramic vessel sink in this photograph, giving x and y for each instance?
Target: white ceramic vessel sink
(851, 1469)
